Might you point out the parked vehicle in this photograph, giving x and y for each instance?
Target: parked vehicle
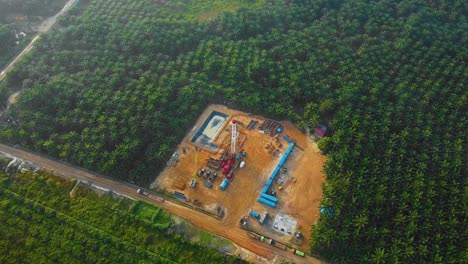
(202, 172)
(193, 183)
(224, 184)
(230, 174)
(142, 191)
(179, 195)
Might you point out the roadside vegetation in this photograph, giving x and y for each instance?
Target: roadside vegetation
(41, 223)
(116, 88)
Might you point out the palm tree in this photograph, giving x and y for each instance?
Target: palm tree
(378, 256)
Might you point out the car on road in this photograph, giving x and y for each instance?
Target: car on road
(142, 191)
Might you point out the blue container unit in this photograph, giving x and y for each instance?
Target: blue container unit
(264, 197)
(270, 181)
(285, 156)
(224, 184)
(266, 202)
(208, 184)
(269, 197)
(179, 195)
(288, 139)
(275, 171)
(254, 214)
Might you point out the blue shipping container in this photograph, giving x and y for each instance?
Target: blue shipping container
(269, 182)
(266, 202)
(179, 195)
(264, 197)
(224, 184)
(254, 214)
(275, 171)
(286, 154)
(288, 139)
(269, 197)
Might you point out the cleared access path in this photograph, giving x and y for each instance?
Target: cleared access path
(45, 26)
(208, 223)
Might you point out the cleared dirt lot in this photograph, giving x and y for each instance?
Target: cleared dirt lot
(300, 197)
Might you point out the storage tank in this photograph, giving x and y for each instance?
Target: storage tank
(224, 184)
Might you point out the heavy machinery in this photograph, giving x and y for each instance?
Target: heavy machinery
(233, 136)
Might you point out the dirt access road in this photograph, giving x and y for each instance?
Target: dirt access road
(210, 224)
(45, 26)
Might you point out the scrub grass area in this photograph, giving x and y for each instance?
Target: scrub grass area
(201, 237)
(150, 213)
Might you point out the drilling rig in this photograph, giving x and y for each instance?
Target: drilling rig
(234, 135)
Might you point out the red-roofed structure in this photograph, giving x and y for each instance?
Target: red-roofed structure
(321, 131)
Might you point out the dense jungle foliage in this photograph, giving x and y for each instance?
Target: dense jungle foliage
(115, 88)
(41, 223)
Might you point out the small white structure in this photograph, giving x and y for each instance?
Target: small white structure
(20, 35)
(242, 164)
(284, 224)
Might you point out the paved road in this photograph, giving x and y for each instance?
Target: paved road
(45, 26)
(210, 224)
